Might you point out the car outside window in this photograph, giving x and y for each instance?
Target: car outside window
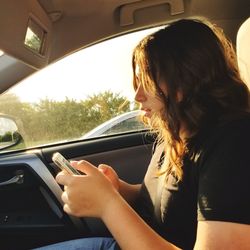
(70, 98)
(131, 124)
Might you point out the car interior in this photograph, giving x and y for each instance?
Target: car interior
(31, 211)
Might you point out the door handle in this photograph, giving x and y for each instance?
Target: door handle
(17, 179)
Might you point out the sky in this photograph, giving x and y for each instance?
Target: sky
(7, 125)
(101, 67)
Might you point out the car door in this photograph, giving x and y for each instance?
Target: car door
(31, 209)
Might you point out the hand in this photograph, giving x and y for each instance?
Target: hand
(110, 173)
(86, 195)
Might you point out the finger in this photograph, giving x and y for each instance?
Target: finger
(103, 168)
(64, 172)
(73, 163)
(107, 170)
(86, 167)
(63, 179)
(67, 209)
(65, 198)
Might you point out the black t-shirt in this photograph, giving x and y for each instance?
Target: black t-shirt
(215, 184)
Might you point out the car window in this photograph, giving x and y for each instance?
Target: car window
(71, 97)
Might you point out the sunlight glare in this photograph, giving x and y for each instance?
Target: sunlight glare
(106, 66)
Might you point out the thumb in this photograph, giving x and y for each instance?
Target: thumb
(85, 167)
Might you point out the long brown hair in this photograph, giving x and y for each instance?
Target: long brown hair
(192, 57)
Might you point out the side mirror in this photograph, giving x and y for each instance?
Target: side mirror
(9, 135)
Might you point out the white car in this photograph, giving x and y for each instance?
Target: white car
(129, 121)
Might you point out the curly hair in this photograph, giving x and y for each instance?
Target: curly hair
(193, 57)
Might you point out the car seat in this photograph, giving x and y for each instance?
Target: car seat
(243, 51)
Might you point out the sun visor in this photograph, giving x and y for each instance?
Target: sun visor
(25, 32)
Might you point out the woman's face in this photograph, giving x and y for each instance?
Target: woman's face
(149, 103)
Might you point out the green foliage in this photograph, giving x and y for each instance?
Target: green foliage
(51, 121)
(7, 137)
(34, 43)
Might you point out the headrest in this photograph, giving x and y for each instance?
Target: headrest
(243, 51)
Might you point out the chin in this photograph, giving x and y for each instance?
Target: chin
(147, 114)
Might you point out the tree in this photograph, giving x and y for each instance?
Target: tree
(50, 120)
(105, 106)
(7, 137)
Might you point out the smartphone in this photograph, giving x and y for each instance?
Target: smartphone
(64, 164)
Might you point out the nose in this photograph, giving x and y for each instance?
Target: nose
(140, 94)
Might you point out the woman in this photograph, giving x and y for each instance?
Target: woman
(196, 193)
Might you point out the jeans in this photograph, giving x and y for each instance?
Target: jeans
(97, 243)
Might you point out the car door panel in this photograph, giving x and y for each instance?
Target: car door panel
(32, 206)
(32, 213)
(114, 151)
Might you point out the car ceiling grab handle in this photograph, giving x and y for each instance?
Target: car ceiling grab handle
(127, 11)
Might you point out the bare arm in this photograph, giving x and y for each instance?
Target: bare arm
(218, 235)
(130, 231)
(211, 235)
(128, 191)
